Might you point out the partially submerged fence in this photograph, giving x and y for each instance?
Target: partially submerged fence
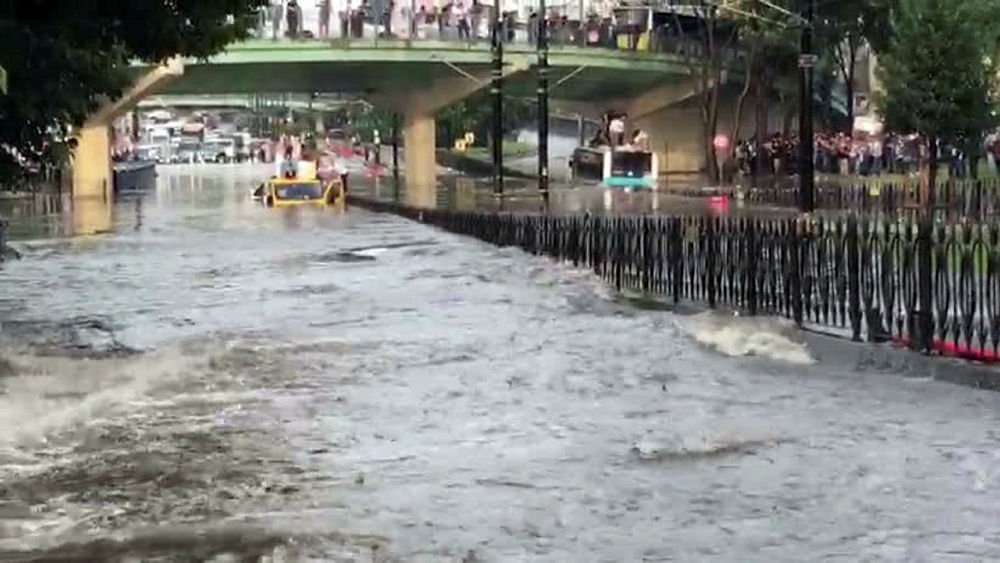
(932, 286)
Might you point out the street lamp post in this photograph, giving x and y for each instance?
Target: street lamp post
(807, 62)
(543, 103)
(496, 91)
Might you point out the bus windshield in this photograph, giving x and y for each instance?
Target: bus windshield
(299, 190)
(626, 163)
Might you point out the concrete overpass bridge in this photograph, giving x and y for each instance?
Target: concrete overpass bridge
(416, 79)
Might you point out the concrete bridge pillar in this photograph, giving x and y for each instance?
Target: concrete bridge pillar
(92, 176)
(92, 216)
(420, 165)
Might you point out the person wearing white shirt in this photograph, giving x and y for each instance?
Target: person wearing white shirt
(277, 12)
(616, 130)
(640, 141)
(459, 13)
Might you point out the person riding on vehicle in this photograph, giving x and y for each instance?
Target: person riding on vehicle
(288, 164)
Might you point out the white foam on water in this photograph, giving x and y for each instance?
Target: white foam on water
(738, 336)
(50, 394)
(675, 446)
(378, 251)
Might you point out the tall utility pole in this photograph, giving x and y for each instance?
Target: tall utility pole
(807, 61)
(395, 149)
(496, 91)
(543, 103)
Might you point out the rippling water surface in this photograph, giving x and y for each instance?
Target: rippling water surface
(204, 379)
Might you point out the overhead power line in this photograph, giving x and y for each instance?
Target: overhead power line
(783, 10)
(752, 15)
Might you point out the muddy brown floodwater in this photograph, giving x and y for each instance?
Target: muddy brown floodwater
(202, 379)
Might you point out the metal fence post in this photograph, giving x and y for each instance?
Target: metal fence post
(795, 234)
(676, 245)
(924, 337)
(853, 243)
(751, 262)
(3, 239)
(710, 252)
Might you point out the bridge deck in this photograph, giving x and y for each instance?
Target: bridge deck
(368, 66)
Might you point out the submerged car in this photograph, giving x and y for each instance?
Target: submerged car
(301, 188)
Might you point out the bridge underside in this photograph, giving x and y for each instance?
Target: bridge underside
(416, 80)
(390, 78)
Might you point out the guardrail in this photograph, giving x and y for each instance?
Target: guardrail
(934, 287)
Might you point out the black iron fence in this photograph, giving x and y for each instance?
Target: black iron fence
(935, 287)
(954, 198)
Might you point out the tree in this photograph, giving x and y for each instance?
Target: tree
(708, 41)
(474, 114)
(66, 58)
(936, 75)
(770, 47)
(754, 39)
(843, 28)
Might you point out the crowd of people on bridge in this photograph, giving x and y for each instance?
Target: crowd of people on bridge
(455, 19)
(859, 154)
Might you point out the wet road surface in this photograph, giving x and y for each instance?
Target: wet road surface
(204, 379)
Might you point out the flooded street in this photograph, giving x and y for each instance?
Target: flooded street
(193, 377)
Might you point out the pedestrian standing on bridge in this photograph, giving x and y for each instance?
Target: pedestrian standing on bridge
(324, 18)
(292, 17)
(475, 18)
(616, 130)
(461, 19)
(277, 11)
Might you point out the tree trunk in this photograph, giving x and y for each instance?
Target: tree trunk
(786, 125)
(762, 119)
(930, 176)
(847, 61)
(972, 154)
(740, 102)
(711, 127)
(850, 100)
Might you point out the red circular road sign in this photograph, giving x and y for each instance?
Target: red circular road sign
(720, 142)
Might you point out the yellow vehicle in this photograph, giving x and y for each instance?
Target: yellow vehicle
(304, 188)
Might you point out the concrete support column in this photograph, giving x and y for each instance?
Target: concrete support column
(419, 132)
(91, 216)
(92, 177)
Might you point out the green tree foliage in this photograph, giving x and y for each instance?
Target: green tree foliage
(936, 73)
(64, 58)
(475, 114)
